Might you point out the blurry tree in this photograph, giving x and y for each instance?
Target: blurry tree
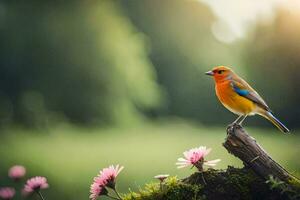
(84, 61)
(272, 58)
(183, 48)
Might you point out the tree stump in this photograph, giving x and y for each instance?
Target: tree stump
(245, 147)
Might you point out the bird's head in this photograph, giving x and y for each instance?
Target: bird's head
(220, 73)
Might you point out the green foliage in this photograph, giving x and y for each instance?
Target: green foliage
(79, 61)
(171, 189)
(274, 182)
(291, 190)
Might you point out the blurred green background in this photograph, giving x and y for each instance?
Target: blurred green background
(86, 84)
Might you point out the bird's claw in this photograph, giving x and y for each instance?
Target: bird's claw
(232, 127)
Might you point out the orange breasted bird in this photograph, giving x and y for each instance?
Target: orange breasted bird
(240, 98)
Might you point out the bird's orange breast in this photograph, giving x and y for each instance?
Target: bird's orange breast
(233, 101)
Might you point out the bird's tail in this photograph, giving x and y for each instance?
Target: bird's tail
(276, 122)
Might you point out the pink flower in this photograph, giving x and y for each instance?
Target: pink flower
(97, 190)
(35, 184)
(195, 157)
(7, 193)
(17, 172)
(106, 178)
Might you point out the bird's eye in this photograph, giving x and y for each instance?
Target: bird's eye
(220, 71)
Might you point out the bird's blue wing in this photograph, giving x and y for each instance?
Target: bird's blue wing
(243, 89)
(241, 92)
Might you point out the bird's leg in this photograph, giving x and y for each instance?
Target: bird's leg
(233, 124)
(235, 121)
(244, 117)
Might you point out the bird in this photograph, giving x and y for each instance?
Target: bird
(240, 98)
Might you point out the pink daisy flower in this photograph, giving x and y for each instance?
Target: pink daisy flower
(195, 157)
(106, 178)
(17, 172)
(35, 184)
(7, 193)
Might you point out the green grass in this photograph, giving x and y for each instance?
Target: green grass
(70, 156)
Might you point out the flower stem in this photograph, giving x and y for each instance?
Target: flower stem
(40, 194)
(117, 193)
(203, 179)
(112, 197)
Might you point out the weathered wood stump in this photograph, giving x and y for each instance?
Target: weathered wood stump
(245, 147)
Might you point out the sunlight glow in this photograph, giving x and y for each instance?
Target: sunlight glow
(236, 17)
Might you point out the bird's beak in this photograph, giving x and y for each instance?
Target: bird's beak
(209, 73)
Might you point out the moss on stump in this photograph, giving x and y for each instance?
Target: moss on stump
(239, 184)
(171, 189)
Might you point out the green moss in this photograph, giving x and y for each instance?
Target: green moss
(231, 184)
(172, 189)
(295, 183)
(289, 190)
